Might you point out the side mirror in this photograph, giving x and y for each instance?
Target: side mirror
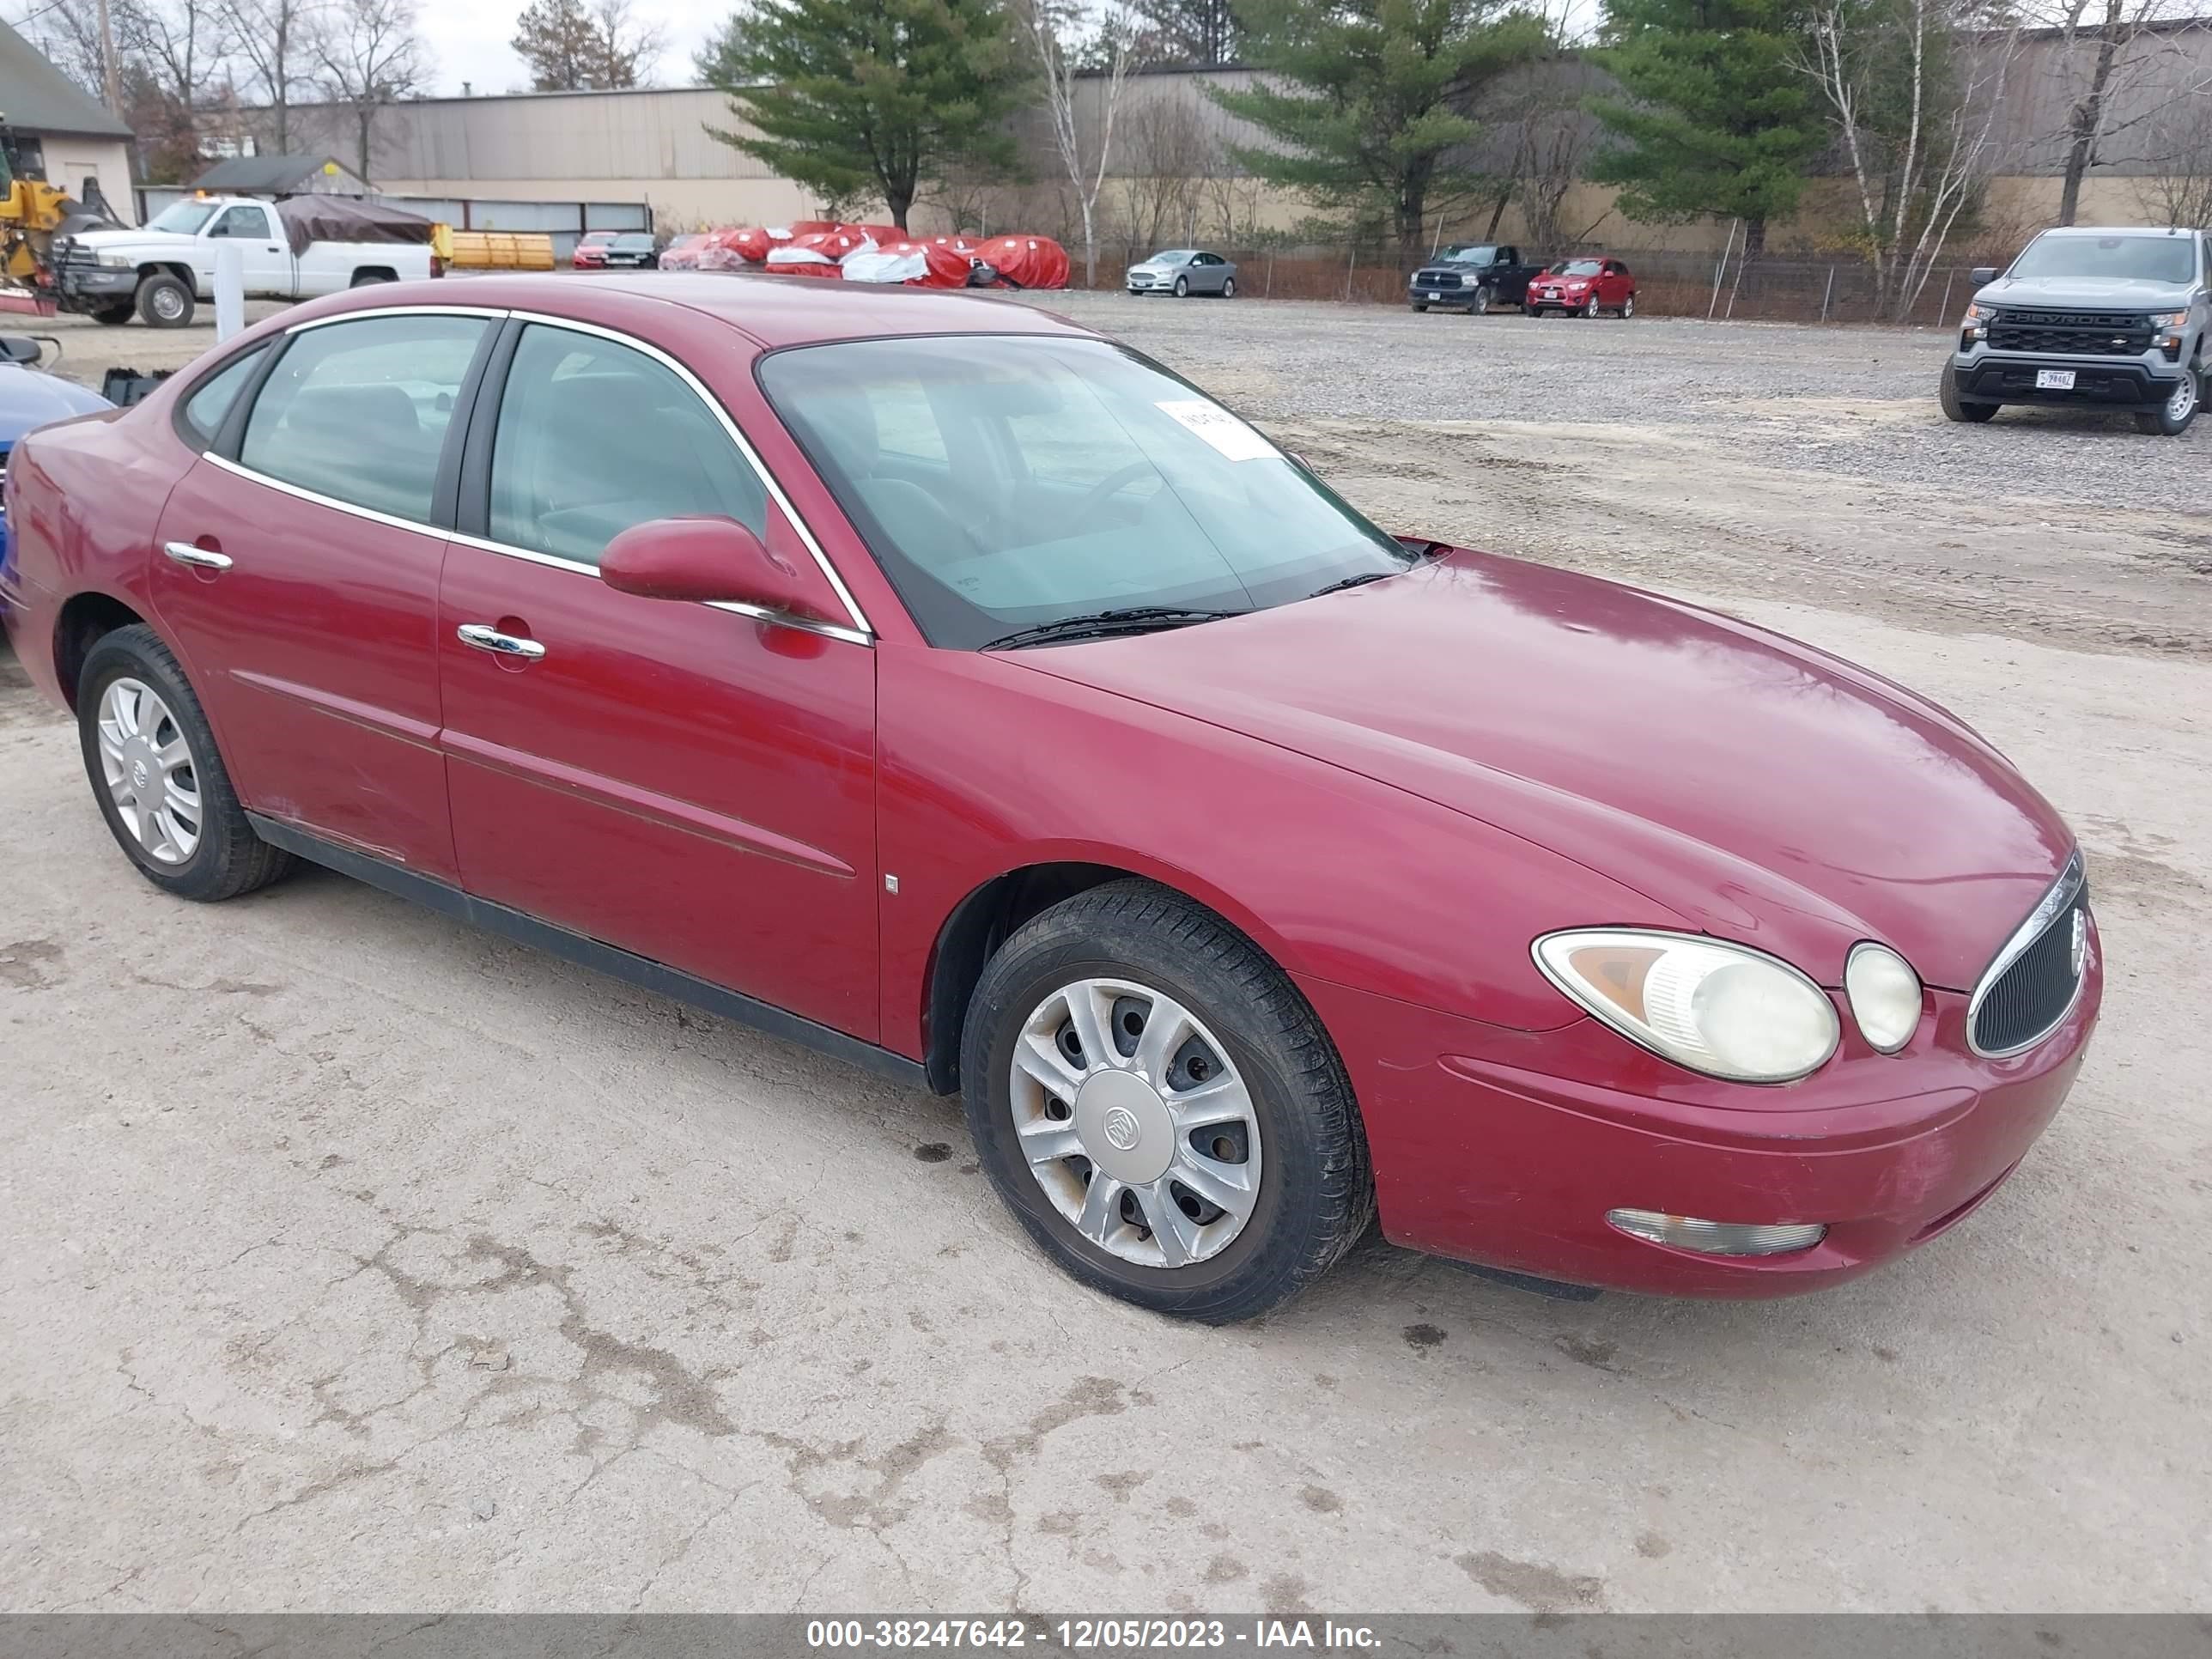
(705, 560)
(19, 349)
(1982, 276)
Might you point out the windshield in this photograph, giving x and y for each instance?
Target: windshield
(2146, 258)
(1174, 256)
(182, 217)
(1479, 254)
(637, 240)
(1004, 482)
(1578, 268)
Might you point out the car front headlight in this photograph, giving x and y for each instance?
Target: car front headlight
(1719, 1009)
(1885, 996)
(2168, 319)
(116, 261)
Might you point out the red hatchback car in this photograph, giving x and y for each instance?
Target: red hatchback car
(1586, 287)
(927, 678)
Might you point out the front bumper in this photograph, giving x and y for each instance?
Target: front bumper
(1995, 377)
(1504, 1147)
(1445, 298)
(1552, 296)
(73, 281)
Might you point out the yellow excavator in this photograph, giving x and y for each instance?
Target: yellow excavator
(31, 211)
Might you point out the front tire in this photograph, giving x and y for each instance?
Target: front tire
(1955, 407)
(157, 777)
(1160, 1107)
(1183, 287)
(1481, 307)
(165, 302)
(1593, 309)
(2172, 418)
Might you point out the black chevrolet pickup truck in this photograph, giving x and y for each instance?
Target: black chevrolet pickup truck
(1471, 276)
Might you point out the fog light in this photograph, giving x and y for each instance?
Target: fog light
(1686, 1232)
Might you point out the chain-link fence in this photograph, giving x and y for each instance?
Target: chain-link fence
(1668, 282)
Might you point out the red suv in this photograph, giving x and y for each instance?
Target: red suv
(1586, 287)
(925, 679)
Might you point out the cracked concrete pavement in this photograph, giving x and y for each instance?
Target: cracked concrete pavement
(355, 1259)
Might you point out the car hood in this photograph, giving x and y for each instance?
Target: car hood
(30, 398)
(1760, 789)
(2088, 294)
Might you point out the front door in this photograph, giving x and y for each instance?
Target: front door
(299, 576)
(685, 782)
(266, 255)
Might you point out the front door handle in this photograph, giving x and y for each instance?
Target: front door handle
(200, 558)
(485, 638)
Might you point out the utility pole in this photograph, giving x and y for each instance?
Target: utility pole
(107, 77)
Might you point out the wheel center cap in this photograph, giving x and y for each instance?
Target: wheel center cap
(139, 775)
(1124, 1127)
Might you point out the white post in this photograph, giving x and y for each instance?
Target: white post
(229, 288)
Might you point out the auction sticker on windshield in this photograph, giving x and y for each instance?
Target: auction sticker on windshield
(1238, 441)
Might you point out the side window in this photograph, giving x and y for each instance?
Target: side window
(594, 437)
(1509, 255)
(203, 411)
(241, 222)
(358, 410)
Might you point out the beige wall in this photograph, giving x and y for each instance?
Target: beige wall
(69, 160)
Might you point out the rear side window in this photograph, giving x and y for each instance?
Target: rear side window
(594, 437)
(359, 410)
(205, 410)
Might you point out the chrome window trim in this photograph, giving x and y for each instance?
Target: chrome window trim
(2053, 904)
(860, 621)
(331, 502)
(578, 567)
(367, 312)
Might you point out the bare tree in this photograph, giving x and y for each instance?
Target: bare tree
(2119, 64)
(632, 48)
(1914, 103)
(1052, 29)
(2180, 147)
(276, 39)
(1164, 157)
(372, 55)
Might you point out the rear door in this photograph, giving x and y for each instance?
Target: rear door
(686, 782)
(298, 570)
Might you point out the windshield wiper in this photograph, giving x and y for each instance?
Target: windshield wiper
(1098, 624)
(1360, 580)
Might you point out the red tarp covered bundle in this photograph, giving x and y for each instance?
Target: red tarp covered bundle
(1026, 261)
(752, 244)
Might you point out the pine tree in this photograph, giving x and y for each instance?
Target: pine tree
(871, 99)
(1371, 101)
(1716, 120)
(571, 48)
(1185, 34)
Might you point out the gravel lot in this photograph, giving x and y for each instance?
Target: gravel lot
(361, 1260)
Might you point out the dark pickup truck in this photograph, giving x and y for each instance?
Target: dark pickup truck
(1471, 276)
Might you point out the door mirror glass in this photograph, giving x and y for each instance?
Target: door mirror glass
(1981, 275)
(19, 349)
(707, 560)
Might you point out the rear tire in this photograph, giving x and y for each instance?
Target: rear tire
(165, 302)
(1228, 288)
(1957, 408)
(1628, 307)
(1309, 1197)
(226, 858)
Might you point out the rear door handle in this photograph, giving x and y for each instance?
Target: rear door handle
(198, 557)
(484, 638)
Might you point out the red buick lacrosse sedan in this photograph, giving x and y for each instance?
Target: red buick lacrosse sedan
(927, 678)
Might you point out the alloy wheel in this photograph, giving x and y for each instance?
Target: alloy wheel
(1135, 1123)
(148, 768)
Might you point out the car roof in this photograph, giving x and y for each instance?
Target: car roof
(772, 310)
(2117, 230)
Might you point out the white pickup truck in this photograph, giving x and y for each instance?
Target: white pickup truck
(162, 269)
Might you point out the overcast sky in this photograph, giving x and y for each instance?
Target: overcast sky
(470, 41)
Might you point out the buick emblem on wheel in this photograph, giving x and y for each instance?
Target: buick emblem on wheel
(1122, 1130)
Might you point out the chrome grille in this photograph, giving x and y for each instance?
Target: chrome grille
(2032, 985)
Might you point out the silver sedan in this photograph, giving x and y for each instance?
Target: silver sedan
(1183, 272)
